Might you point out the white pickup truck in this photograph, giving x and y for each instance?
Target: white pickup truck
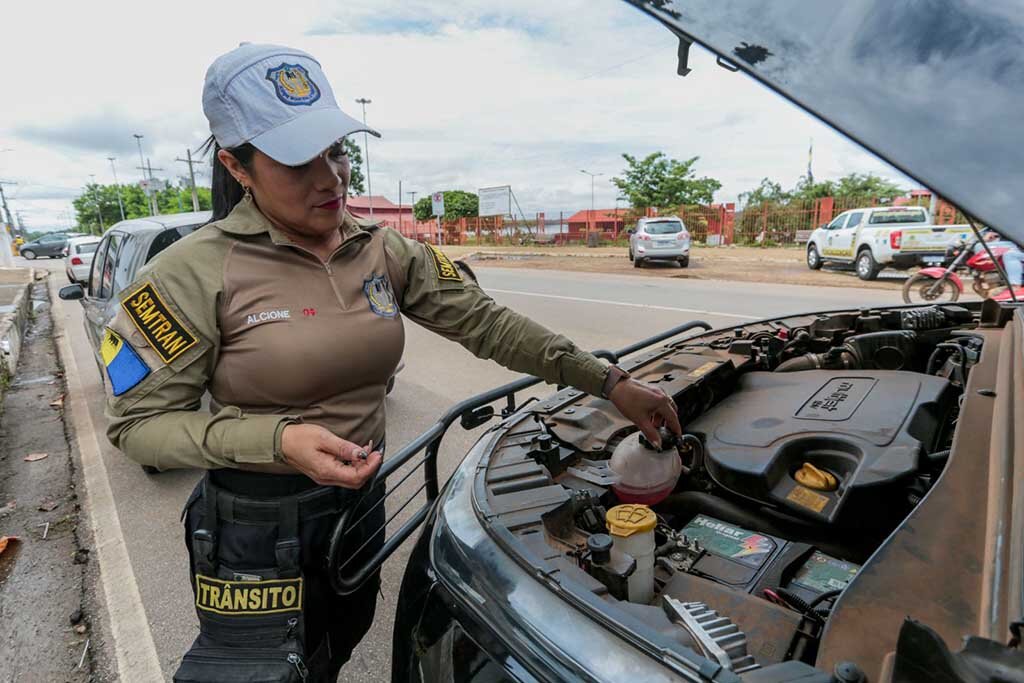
(880, 237)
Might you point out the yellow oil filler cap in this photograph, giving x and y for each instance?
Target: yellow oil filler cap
(626, 520)
(815, 478)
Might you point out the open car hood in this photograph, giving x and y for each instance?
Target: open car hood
(934, 88)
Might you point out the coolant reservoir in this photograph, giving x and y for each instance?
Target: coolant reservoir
(646, 475)
(632, 531)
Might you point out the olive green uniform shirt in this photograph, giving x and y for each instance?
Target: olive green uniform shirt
(278, 336)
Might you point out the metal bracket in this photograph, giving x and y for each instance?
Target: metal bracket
(683, 54)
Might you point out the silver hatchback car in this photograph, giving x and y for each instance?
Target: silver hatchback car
(664, 238)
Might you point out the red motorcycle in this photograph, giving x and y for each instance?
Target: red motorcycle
(942, 285)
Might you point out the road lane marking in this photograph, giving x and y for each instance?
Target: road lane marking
(607, 302)
(137, 659)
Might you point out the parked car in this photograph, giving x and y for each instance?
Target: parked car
(51, 245)
(664, 238)
(78, 257)
(124, 249)
(878, 237)
(844, 504)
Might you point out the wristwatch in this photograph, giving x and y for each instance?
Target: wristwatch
(615, 375)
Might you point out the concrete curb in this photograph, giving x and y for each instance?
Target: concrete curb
(12, 328)
(118, 592)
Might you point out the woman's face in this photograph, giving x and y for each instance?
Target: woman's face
(307, 200)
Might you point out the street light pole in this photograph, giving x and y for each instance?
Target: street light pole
(366, 152)
(113, 168)
(592, 176)
(142, 165)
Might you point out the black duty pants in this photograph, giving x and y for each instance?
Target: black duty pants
(247, 549)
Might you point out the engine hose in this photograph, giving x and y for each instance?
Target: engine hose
(798, 604)
(825, 596)
(688, 504)
(697, 448)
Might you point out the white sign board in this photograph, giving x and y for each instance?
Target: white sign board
(495, 201)
(437, 203)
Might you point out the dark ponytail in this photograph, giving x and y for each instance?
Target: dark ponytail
(226, 191)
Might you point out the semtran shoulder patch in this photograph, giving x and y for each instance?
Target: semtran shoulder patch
(168, 336)
(446, 270)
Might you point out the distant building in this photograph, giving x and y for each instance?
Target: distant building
(603, 220)
(914, 198)
(383, 209)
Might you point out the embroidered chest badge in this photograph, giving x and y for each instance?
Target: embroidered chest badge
(293, 84)
(379, 295)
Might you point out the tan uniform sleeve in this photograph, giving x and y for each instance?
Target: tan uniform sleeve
(169, 320)
(440, 296)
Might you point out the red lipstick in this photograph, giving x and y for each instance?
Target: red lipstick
(330, 205)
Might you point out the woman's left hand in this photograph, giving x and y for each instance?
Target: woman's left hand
(646, 407)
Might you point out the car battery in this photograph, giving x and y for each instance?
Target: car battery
(821, 573)
(752, 561)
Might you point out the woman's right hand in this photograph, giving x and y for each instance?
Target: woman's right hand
(327, 459)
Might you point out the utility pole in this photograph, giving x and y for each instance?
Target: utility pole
(192, 178)
(3, 202)
(113, 168)
(154, 207)
(96, 194)
(592, 176)
(366, 152)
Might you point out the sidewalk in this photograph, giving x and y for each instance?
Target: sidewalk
(779, 265)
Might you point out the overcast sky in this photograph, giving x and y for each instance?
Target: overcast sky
(466, 93)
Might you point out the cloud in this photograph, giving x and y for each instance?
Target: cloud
(467, 93)
(102, 132)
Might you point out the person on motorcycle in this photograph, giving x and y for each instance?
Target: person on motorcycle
(1013, 257)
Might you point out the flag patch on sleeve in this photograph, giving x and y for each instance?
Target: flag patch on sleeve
(124, 367)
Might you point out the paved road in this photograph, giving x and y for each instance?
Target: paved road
(598, 311)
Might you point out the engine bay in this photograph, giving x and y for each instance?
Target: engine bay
(806, 442)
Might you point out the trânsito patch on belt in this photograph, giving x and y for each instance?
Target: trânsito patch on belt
(446, 270)
(268, 596)
(168, 336)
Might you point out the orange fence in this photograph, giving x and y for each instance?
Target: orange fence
(768, 223)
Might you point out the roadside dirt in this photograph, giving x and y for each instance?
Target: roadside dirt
(736, 264)
(48, 624)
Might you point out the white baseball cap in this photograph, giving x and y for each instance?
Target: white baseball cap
(276, 98)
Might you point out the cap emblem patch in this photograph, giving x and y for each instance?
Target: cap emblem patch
(293, 85)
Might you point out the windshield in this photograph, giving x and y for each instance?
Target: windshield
(898, 217)
(904, 79)
(89, 248)
(664, 227)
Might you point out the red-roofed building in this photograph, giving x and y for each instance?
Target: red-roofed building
(604, 220)
(383, 209)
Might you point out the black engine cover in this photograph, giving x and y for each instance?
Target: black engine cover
(869, 428)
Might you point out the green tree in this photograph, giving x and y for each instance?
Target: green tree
(357, 184)
(136, 204)
(866, 185)
(660, 182)
(457, 204)
(767, 191)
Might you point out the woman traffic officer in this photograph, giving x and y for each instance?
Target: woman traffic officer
(289, 312)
